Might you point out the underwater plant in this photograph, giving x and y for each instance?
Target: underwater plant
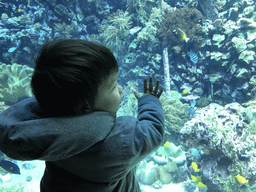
(115, 33)
(188, 20)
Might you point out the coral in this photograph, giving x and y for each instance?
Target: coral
(217, 38)
(247, 56)
(61, 10)
(129, 102)
(15, 82)
(115, 33)
(176, 113)
(225, 134)
(141, 9)
(174, 153)
(64, 29)
(187, 19)
(219, 4)
(239, 43)
(4, 16)
(147, 37)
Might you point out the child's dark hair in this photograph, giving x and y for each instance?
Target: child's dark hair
(67, 75)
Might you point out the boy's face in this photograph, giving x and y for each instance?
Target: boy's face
(109, 94)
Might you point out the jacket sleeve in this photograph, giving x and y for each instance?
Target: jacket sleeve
(144, 134)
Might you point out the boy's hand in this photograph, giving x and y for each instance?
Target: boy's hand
(149, 90)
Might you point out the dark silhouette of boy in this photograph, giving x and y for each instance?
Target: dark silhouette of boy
(71, 123)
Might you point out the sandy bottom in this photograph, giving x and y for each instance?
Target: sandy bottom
(166, 188)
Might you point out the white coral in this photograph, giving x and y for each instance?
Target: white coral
(15, 82)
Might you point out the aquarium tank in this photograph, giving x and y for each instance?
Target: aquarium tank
(203, 53)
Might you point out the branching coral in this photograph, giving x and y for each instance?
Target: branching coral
(115, 33)
(15, 82)
(64, 29)
(141, 8)
(176, 113)
(187, 19)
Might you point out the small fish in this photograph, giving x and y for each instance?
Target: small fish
(201, 185)
(12, 49)
(184, 92)
(181, 35)
(241, 179)
(10, 167)
(167, 143)
(134, 30)
(192, 110)
(194, 166)
(193, 57)
(19, 10)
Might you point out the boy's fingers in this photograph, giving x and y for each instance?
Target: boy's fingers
(145, 85)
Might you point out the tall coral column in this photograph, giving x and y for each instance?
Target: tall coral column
(167, 85)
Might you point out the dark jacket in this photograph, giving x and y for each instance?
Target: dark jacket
(94, 152)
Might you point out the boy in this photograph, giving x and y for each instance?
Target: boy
(71, 121)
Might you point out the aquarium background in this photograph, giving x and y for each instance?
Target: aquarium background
(208, 75)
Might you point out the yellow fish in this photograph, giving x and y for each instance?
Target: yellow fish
(181, 35)
(184, 92)
(194, 166)
(19, 10)
(241, 179)
(167, 143)
(201, 185)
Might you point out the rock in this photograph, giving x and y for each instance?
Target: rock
(174, 153)
(148, 176)
(165, 177)
(158, 185)
(170, 167)
(29, 178)
(247, 56)
(28, 166)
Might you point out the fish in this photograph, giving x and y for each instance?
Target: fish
(10, 166)
(167, 143)
(184, 92)
(193, 57)
(12, 49)
(241, 179)
(201, 185)
(181, 35)
(195, 167)
(134, 30)
(191, 110)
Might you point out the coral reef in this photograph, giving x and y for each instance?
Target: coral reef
(115, 33)
(15, 82)
(187, 19)
(176, 113)
(225, 136)
(65, 30)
